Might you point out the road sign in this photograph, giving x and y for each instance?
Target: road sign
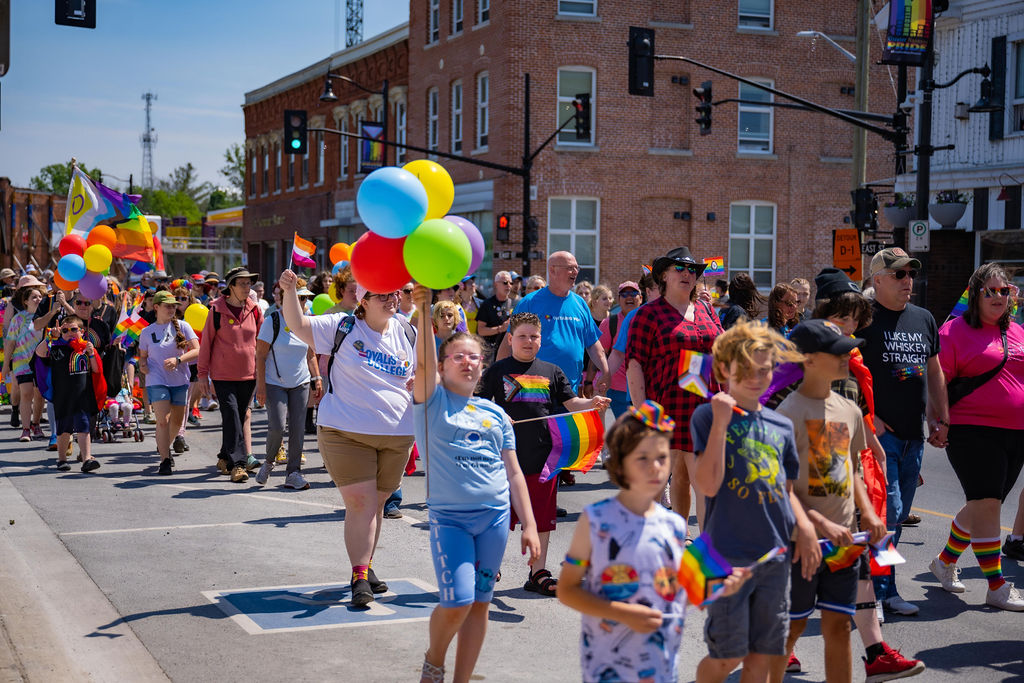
(871, 248)
(920, 236)
(846, 252)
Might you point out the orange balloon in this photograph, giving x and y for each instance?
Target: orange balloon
(102, 234)
(64, 284)
(340, 252)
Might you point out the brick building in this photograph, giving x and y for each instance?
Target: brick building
(314, 194)
(31, 223)
(765, 189)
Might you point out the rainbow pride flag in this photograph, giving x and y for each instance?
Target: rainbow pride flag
(91, 203)
(841, 557)
(130, 323)
(702, 571)
(695, 372)
(961, 306)
(715, 266)
(576, 440)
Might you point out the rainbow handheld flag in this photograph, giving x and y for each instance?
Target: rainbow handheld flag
(130, 323)
(841, 557)
(695, 372)
(576, 440)
(302, 250)
(702, 571)
(715, 265)
(961, 306)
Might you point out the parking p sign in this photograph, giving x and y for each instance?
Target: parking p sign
(920, 236)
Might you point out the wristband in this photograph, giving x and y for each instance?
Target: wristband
(317, 379)
(577, 563)
(942, 422)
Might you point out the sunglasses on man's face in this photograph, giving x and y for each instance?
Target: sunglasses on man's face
(900, 274)
(691, 268)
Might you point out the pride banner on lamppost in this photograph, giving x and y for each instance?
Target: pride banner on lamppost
(909, 32)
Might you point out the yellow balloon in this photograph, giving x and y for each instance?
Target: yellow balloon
(195, 316)
(333, 293)
(97, 258)
(438, 184)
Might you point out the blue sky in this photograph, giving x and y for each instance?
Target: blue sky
(78, 92)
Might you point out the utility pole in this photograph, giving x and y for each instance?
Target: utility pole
(527, 167)
(860, 92)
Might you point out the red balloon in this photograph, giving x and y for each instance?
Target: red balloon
(72, 244)
(377, 263)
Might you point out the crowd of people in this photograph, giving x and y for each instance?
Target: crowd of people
(812, 426)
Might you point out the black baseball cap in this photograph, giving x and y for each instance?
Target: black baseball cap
(817, 335)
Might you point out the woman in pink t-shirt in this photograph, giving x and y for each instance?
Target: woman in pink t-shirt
(986, 434)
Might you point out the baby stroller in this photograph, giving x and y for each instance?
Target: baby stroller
(108, 428)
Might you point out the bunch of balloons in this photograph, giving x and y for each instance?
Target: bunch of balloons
(85, 262)
(411, 236)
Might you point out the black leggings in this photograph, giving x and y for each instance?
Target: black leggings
(234, 399)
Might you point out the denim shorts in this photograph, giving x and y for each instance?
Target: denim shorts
(755, 618)
(467, 547)
(162, 392)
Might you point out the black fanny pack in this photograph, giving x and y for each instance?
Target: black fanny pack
(959, 387)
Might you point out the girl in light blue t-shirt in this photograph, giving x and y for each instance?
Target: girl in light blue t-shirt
(472, 472)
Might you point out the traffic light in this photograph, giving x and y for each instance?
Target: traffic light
(296, 137)
(501, 233)
(532, 233)
(865, 209)
(582, 104)
(703, 94)
(641, 61)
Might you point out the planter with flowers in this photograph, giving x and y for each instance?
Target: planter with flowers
(949, 207)
(901, 210)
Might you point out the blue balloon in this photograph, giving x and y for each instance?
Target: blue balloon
(338, 266)
(140, 267)
(71, 267)
(392, 202)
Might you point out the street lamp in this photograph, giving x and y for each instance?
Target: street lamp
(818, 34)
(329, 96)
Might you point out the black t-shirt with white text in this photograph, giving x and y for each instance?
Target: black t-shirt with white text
(897, 347)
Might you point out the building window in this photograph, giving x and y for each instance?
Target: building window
(291, 171)
(400, 131)
(434, 22)
(277, 168)
(483, 11)
(755, 14)
(755, 120)
(752, 242)
(266, 170)
(483, 87)
(320, 149)
(583, 7)
(343, 152)
(457, 12)
(572, 82)
(432, 104)
(457, 116)
(573, 227)
(304, 180)
(252, 174)
(1017, 123)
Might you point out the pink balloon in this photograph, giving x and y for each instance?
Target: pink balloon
(92, 285)
(476, 241)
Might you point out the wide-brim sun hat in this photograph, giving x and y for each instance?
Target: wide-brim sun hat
(678, 256)
(238, 272)
(30, 281)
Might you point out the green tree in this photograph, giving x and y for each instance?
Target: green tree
(184, 179)
(56, 178)
(171, 203)
(234, 172)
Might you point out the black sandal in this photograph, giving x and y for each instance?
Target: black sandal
(541, 582)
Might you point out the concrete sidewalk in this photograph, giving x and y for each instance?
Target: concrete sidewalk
(50, 606)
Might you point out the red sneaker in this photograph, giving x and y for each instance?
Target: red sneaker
(793, 665)
(890, 666)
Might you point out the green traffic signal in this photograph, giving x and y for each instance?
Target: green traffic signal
(296, 133)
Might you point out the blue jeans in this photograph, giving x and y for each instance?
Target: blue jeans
(902, 469)
(394, 500)
(620, 401)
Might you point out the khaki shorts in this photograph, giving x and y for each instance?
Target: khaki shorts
(352, 458)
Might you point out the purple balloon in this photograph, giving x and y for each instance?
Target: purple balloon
(141, 267)
(476, 241)
(93, 285)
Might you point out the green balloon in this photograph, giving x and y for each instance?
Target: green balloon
(437, 254)
(321, 303)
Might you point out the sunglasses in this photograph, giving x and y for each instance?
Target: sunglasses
(998, 291)
(65, 330)
(691, 268)
(182, 298)
(900, 274)
(630, 293)
(83, 303)
(459, 357)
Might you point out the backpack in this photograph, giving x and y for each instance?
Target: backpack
(613, 327)
(345, 327)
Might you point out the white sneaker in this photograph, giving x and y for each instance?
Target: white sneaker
(666, 500)
(1005, 597)
(265, 469)
(296, 481)
(213, 405)
(900, 606)
(947, 574)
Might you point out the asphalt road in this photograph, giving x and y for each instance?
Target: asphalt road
(199, 570)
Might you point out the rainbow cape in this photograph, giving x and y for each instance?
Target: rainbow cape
(702, 571)
(42, 372)
(576, 440)
(715, 265)
(91, 203)
(695, 372)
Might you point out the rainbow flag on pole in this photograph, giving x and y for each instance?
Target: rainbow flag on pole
(841, 557)
(302, 251)
(576, 440)
(695, 372)
(91, 203)
(715, 265)
(702, 571)
(130, 323)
